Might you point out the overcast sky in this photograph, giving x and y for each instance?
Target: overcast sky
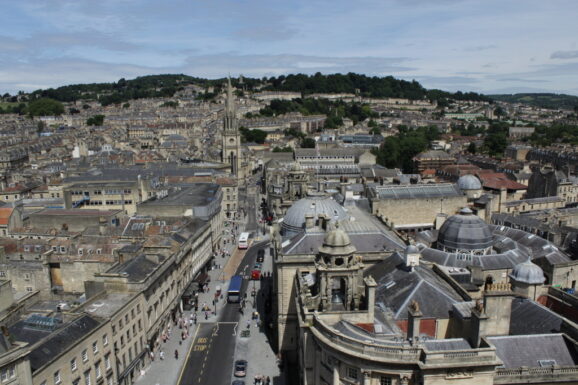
(491, 46)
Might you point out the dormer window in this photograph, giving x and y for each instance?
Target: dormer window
(80, 251)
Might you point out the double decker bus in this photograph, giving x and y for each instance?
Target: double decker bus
(243, 241)
(234, 292)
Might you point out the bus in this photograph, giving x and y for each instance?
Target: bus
(244, 240)
(234, 292)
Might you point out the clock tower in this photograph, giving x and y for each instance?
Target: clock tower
(231, 137)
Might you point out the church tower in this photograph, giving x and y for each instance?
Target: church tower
(231, 136)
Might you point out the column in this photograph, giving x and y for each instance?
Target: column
(336, 373)
(366, 377)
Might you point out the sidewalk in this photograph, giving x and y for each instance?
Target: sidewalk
(167, 371)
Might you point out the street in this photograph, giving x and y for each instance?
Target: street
(211, 355)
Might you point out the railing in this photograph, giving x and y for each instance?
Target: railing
(463, 357)
(552, 374)
(379, 352)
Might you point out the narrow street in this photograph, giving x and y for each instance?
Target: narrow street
(210, 358)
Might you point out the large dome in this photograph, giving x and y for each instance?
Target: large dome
(465, 233)
(294, 219)
(469, 182)
(528, 272)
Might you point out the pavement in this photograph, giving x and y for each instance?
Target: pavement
(207, 355)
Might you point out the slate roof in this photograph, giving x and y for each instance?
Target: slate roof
(418, 191)
(398, 286)
(59, 341)
(529, 350)
(137, 268)
(529, 317)
(449, 344)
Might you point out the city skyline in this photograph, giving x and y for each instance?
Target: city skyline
(489, 47)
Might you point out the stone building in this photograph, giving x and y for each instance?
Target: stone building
(296, 241)
(433, 159)
(415, 207)
(408, 321)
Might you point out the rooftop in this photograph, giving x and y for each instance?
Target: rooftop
(418, 191)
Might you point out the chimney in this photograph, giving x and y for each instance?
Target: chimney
(309, 221)
(414, 316)
(491, 316)
(102, 225)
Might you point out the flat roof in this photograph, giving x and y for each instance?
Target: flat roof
(76, 212)
(197, 194)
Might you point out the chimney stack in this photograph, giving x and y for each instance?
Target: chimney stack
(414, 316)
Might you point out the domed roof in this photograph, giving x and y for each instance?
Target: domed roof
(337, 242)
(464, 231)
(294, 219)
(412, 249)
(469, 182)
(528, 272)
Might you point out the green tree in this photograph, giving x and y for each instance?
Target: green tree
(375, 130)
(126, 105)
(256, 135)
(472, 148)
(40, 126)
(283, 149)
(308, 143)
(45, 107)
(96, 120)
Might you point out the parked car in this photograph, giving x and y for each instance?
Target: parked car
(238, 382)
(240, 368)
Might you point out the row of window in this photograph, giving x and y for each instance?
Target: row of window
(109, 202)
(99, 192)
(353, 373)
(87, 379)
(89, 251)
(127, 318)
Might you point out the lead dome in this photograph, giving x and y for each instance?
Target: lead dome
(469, 182)
(294, 219)
(465, 233)
(528, 272)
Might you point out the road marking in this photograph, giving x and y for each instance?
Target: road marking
(235, 328)
(188, 355)
(215, 331)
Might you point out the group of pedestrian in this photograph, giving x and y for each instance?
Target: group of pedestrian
(262, 380)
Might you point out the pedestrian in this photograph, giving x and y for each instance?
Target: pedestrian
(152, 355)
(162, 355)
(176, 354)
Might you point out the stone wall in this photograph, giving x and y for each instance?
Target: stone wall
(420, 212)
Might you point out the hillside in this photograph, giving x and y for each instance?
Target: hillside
(545, 100)
(166, 86)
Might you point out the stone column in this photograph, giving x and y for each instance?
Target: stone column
(336, 373)
(366, 377)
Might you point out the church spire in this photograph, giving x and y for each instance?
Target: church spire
(230, 102)
(230, 121)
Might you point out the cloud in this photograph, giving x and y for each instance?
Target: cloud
(564, 55)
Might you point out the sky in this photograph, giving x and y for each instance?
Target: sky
(489, 46)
